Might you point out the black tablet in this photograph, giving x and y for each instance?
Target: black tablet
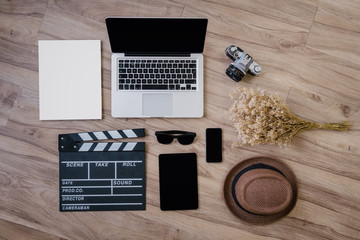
(178, 181)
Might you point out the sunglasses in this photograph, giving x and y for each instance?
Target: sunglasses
(166, 137)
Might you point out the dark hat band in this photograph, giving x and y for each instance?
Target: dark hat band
(252, 167)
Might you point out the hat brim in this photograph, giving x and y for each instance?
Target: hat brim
(255, 218)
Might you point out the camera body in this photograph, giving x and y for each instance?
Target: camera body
(242, 64)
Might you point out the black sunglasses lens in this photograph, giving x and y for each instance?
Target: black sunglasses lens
(164, 138)
(186, 139)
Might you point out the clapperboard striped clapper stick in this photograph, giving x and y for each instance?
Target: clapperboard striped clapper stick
(102, 176)
(75, 142)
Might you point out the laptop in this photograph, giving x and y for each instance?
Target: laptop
(157, 67)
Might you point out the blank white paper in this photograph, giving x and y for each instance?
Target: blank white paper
(70, 79)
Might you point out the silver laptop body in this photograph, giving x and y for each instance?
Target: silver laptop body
(153, 72)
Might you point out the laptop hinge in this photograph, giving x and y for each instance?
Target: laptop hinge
(157, 54)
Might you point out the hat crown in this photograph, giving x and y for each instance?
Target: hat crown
(263, 191)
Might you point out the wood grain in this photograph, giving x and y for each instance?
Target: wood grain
(310, 54)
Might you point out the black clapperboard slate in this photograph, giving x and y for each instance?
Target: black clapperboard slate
(102, 176)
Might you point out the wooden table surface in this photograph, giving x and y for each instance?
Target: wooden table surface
(310, 54)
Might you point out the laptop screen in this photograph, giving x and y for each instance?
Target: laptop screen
(156, 35)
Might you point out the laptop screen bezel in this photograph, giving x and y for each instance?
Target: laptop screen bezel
(147, 49)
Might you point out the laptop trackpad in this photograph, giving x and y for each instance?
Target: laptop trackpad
(157, 105)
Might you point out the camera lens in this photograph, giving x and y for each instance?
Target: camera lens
(234, 73)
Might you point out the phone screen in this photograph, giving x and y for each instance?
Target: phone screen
(213, 145)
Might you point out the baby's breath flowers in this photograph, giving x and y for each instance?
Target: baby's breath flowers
(262, 118)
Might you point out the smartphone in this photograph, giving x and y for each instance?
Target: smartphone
(213, 145)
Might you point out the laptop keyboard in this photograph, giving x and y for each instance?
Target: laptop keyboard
(155, 74)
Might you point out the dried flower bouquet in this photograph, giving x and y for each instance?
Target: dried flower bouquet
(262, 118)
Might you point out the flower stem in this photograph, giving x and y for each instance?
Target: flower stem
(340, 126)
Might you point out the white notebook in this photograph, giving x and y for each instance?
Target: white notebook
(70, 79)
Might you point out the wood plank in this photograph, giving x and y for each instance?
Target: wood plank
(8, 93)
(98, 11)
(248, 26)
(19, 25)
(342, 44)
(344, 14)
(11, 230)
(297, 13)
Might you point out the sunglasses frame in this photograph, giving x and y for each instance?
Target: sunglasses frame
(175, 134)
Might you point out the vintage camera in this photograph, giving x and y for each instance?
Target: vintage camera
(243, 63)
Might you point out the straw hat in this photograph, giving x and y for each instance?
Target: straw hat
(260, 190)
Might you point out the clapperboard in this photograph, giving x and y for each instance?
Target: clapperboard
(102, 176)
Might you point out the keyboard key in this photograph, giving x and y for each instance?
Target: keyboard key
(126, 87)
(121, 87)
(177, 86)
(137, 87)
(171, 87)
(123, 75)
(131, 87)
(154, 87)
(193, 88)
(188, 87)
(188, 81)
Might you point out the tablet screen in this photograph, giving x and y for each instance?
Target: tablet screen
(178, 181)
